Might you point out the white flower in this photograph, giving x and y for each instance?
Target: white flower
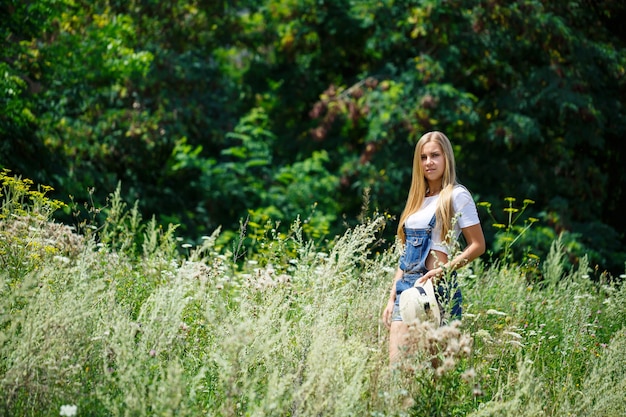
(468, 375)
(63, 259)
(483, 334)
(68, 410)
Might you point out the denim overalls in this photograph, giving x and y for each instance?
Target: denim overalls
(413, 263)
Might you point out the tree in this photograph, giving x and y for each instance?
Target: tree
(530, 92)
(209, 112)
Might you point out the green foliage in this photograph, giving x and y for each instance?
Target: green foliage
(528, 242)
(247, 180)
(27, 239)
(18, 199)
(207, 112)
(509, 232)
(503, 82)
(549, 333)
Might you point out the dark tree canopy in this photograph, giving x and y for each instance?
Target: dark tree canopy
(210, 112)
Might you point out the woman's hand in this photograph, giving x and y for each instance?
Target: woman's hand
(432, 274)
(475, 247)
(388, 313)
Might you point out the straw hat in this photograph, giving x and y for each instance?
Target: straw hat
(419, 303)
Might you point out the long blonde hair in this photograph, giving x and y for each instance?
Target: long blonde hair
(417, 192)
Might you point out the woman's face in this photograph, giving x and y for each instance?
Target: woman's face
(433, 162)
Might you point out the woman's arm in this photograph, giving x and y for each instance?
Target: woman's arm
(392, 298)
(475, 247)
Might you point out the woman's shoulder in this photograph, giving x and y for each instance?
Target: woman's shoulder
(460, 190)
(461, 196)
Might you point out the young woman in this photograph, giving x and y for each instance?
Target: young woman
(437, 211)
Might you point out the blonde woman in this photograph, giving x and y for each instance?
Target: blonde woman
(437, 211)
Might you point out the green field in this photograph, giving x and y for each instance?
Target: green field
(124, 319)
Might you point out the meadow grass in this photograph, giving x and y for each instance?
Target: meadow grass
(125, 321)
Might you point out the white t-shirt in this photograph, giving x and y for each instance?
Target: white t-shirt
(464, 210)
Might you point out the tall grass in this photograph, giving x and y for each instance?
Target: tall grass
(126, 322)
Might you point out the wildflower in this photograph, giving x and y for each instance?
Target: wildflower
(453, 347)
(408, 402)
(491, 311)
(283, 278)
(448, 364)
(468, 375)
(63, 259)
(186, 245)
(68, 410)
(483, 334)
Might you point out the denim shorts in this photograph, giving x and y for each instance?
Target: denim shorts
(453, 309)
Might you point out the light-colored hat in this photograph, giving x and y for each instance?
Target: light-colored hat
(419, 303)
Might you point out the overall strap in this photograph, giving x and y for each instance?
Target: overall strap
(431, 224)
(432, 221)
